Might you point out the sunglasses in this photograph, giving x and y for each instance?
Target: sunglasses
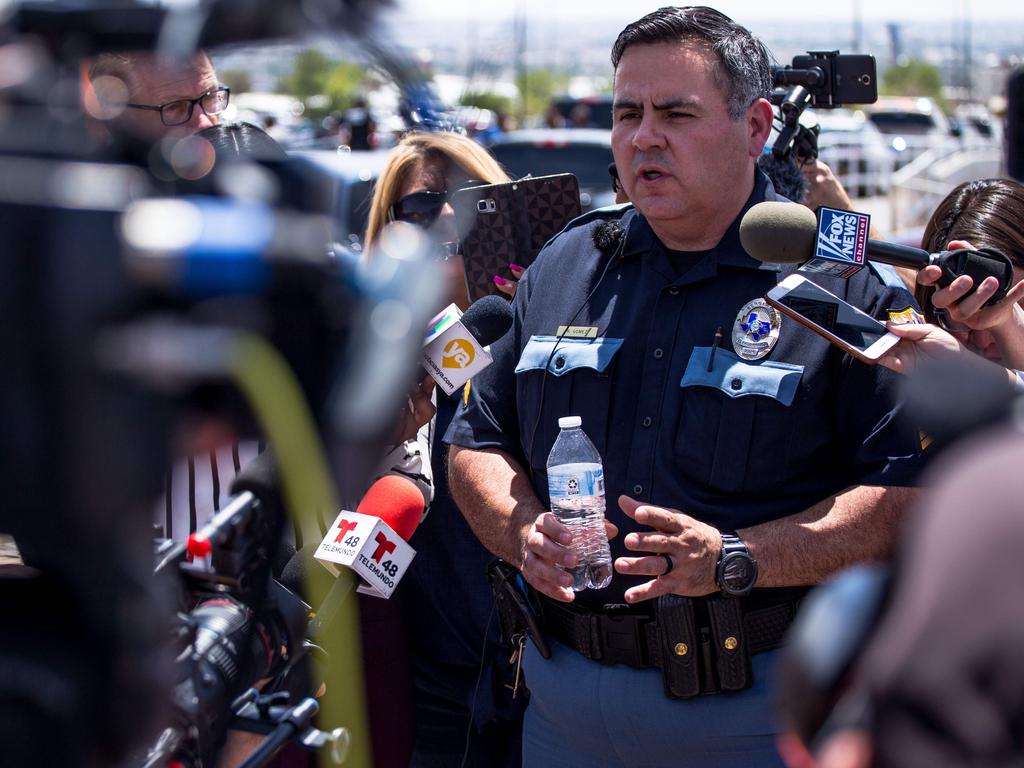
(419, 208)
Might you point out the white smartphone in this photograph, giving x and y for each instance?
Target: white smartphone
(826, 314)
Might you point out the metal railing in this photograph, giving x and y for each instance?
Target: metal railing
(918, 187)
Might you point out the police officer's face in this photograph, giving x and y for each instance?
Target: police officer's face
(683, 162)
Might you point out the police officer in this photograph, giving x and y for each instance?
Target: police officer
(740, 449)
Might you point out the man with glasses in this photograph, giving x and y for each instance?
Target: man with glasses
(152, 98)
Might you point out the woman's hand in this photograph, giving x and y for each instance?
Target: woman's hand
(506, 286)
(964, 306)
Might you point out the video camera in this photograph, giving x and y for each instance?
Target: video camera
(134, 299)
(823, 80)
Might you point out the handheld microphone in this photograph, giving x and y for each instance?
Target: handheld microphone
(392, 508)
(455, 347)
(371, 541)
(835, 242)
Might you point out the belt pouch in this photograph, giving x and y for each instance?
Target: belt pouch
(516, 616)
(730, 645)
(678, 646)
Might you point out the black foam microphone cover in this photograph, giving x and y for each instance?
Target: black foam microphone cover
(293, 575)
(785, 176)
(608, 235)
(488, 319)
(260, 478)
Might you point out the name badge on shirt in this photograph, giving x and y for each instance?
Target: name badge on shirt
(756, 330)
(577, 331)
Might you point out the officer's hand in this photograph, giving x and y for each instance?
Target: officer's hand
(964, 305)
(693, 547)
(547, 548)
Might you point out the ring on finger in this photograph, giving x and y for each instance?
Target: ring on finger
(669, 563)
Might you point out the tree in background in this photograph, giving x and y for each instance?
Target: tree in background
(322, 84)
(536, 89)
(485, 100)
(914, 78)
(238, 80)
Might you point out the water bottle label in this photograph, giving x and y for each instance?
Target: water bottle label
(574, 480)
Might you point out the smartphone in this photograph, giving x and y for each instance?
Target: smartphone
(509, 223)
(826, 314)
(849, 78)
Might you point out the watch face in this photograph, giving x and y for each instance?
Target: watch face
(738, 572)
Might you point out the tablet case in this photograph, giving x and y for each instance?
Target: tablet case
(509, 223)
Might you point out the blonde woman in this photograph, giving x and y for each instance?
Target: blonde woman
(424, 170)
(458, 666)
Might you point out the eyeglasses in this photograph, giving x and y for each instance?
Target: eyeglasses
(419, 208)
(180, 112)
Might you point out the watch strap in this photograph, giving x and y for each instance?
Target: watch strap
(732, 544)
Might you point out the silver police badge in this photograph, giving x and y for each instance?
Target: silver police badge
(756, 330)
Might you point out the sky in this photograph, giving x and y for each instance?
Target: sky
(741, 10)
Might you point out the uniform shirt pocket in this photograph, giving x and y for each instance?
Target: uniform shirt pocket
(579, 384)
(738, 378)
(570, 355)
(733, 433)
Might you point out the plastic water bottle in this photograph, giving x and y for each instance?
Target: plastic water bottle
(576, 488)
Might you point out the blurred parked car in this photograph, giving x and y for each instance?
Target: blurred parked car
(587, 112)
(546, 151)
(912, 126)
(856, 152)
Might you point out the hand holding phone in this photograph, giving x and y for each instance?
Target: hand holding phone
(501, 225)
(850, 329)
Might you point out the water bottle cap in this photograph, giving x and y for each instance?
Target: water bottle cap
(569, 422)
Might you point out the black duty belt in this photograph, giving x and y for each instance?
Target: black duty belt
(702, 645)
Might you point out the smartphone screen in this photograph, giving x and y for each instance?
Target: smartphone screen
(830, 313)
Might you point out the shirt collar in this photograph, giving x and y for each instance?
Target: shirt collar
(641, 240)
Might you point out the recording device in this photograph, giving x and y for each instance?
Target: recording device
(835, 242)
(824, 80)
(236, 625)
(455, 348)
(844, 325)
(829, 78)
(372, 541)
(507, 223)
(108, 360)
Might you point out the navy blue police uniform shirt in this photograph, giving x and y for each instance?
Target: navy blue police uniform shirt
(747, 442)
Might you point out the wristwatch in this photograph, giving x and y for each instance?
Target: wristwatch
(736, 570)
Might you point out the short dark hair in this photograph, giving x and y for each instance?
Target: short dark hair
(242, 140)
(988, 213)
(745, 61)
